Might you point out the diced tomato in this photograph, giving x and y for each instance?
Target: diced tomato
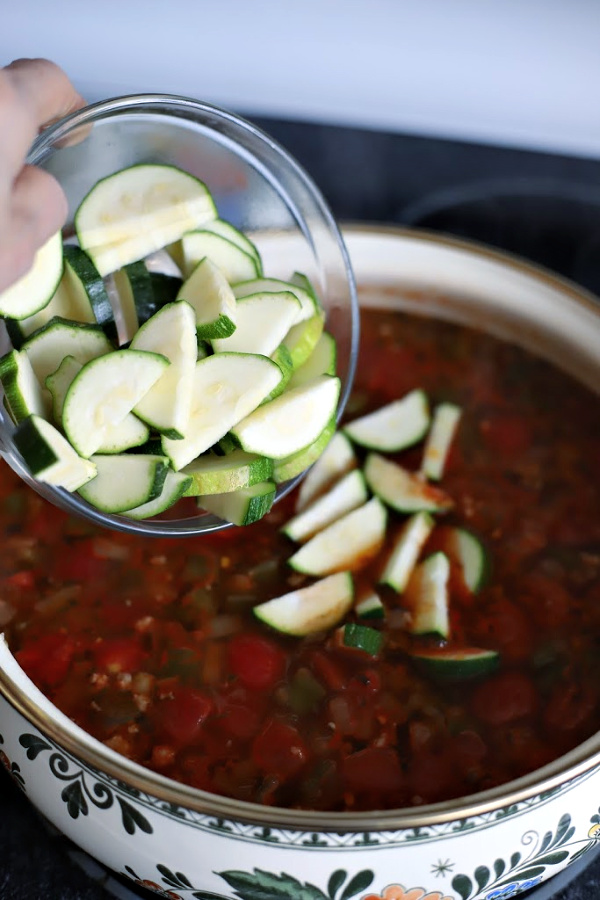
(119, 655)
(506, 433)
(505, 698)
(374, 769)
(241, 714)
(182, 716)
(327, 671)
(47, 660)
(78, 562)
(570, 705)
(256, 661)
(505, 627)
(279, 750)
(432, 776)
(25, 579)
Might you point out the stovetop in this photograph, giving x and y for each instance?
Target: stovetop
(543, 207)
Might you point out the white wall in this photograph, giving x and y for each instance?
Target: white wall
(520, 72)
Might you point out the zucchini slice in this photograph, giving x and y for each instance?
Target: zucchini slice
(49, 456)
(404, 491)
(104, 392)
(225, 388)
(406, 551)
(293, 465)
(125, 481)
(136, 300)
(48, 347)
(370, 607)
(35, 289)
(221, 474)
(456, 664)
(318, 607)
(346, 495)
(171, 332)
(142, 200)
(234, 263)
(322, 361)
(22, 390)
(392, 427)
(445, 421)
(173, 489)
(243, 507)
(262, 322)
(282, 357)
(337, 459)
(229, 231)
(426, 596)
(302, 338)
(469, 554)
(292, 421)
(348, 544)
(360, 637)
(306, 298)
(209, 294)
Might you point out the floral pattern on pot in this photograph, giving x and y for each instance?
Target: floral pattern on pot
(398, 892)
(13, 768)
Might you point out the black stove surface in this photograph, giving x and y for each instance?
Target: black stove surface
(543, 207)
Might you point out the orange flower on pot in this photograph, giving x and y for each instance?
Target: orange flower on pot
(397, 892)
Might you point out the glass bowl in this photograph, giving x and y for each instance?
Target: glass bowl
(257, 186)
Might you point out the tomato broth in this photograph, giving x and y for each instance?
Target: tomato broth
(151, 645)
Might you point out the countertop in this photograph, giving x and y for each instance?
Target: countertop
(542, 206)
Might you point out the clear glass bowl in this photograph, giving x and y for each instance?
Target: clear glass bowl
(257, 186)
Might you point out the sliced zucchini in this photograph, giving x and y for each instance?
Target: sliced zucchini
(300, 280)
(292, 421)
(282, 357)
(104, 392)
(302, 339)
(109, 258)
(125, 481)
(393, 427)
(291, 466)
(225, 388)
(59, 382)
(136, 301)
(322, 361)
(315, 608)
(426, 596)
(243, 507)
(234, 263)
(404, 491)
(344, 496)
(229, 231)
(164, 288)
(49, 456)
(34, 290)
(456, 664)
(469, 554)
(173, 489)
(406, 550)
(142, 200)
(262, 322)
(336, 460)
(48, 347)
(22, 390)
(370, 607)
(306, 298)
(221, 474)
(209, 294)
(349, 543)
(171, 332)
(445, 421)
(361, 637)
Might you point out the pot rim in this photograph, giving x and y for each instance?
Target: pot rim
(21, 694)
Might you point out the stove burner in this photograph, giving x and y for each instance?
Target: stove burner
(551, 222)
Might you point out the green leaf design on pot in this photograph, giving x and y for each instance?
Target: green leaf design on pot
(33, 744)
(133, 818)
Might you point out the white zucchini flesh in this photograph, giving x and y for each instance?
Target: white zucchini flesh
(222, 474)
(291, 421)
(125, 481)
(104, 392)
(235, 263)
(170, 332)
(48, 347)
(347, 544)
(225, 388)
(210, 295)
(322, 361)
(129, 282)
(318, 607)
(370, 606)
(141, 199)
(262, 322)
(406, 550)
(404, 491)
(392, 427)
(291, 466)
(445, 421)
(426, 597)
(467, 551)
(22, 390)
(34, 290)
(303, 337)
(229, 231)
(173, 489)
(307, 306)
(242, 507)
(109, 258)
(50, 457)
(346, 495)
(59, 382)
(337, 459)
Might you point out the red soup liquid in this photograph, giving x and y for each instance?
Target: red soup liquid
(151, 645)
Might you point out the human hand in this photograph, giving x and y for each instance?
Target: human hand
(33, 94)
